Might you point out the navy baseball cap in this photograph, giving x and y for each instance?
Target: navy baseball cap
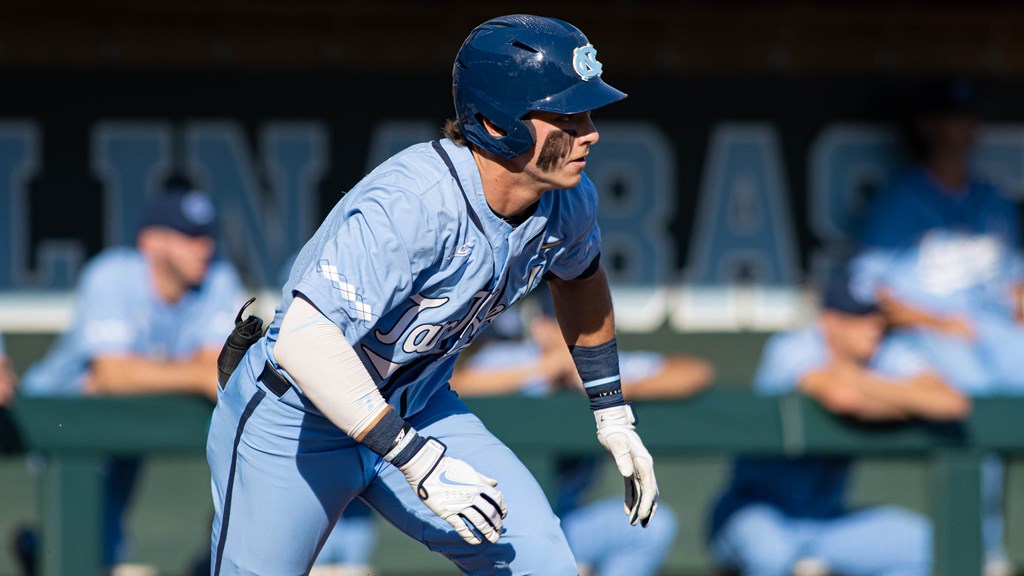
(840, 296)
(948, 96)
(190, 212)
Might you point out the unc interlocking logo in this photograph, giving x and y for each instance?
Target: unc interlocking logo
(584, 61)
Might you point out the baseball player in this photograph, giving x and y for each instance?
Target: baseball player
(941, 258)
(8, 379)
(347, 395)
(148, 319)
(780, 513)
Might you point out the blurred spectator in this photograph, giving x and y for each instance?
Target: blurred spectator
(782, 516)
(941, 259)
(148, 319)
(349, 546)
(10, 442)
(8, 379)
(941, 252)
(539, 364)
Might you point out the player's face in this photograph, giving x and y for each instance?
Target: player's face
(187, 258)
(562, 142)
(950, 135)
(857, 337)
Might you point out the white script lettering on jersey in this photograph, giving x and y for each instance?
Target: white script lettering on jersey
(952, 262)
(427, 338)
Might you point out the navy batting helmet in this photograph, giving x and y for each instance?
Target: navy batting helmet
(511, 65)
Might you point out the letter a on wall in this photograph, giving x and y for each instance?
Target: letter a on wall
(743, 234)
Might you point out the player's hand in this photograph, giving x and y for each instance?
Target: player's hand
(465, 498)
(616, 433)
(8, 381)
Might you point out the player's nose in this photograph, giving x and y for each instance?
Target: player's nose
(586, 131)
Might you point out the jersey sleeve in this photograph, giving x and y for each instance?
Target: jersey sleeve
(109, 326)
(222, 298)
(898, 358)
(371, 261)
(870, 270)
(786, 359)
(582, 236)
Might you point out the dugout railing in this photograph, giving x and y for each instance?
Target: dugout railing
(77, 434)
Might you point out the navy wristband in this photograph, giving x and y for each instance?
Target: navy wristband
(599, 368)
(383, 437)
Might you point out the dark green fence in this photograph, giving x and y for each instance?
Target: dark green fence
(78, 433)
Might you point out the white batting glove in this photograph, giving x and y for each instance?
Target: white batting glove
(465, 498)
(616, 433)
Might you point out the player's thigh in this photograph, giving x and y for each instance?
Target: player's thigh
(760, 541)
(531, 541)
(280, 480)
(883, 541)
(600, 536)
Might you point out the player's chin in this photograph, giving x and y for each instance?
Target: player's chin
(570, 177)
(195, 277)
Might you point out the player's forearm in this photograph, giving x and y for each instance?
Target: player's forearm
(138, 375)
(923, 396)
(841, 394)
(316, 354)
(679, 377)
(474, 382)
(584, 309)
(902, 314)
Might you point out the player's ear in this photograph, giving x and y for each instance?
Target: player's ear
(492, 129)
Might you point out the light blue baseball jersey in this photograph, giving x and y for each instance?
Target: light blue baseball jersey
(950, 253)
(117, 311)
(811, 487)
(412, 268)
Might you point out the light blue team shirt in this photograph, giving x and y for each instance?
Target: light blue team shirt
(117, 311)
(412, 269)
(947, 253)
(808, 487)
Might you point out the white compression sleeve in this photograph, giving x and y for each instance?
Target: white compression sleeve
(315, 352)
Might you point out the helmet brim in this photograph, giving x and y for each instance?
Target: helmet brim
(580, 97)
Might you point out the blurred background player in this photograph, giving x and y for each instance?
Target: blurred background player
(8, 379)
(10, 440)
(148, 319)
(533, 359)
(940, 251)
(941, 258)
(778, 515)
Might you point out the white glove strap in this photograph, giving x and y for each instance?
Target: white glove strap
(616, 416)
(423, 462)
